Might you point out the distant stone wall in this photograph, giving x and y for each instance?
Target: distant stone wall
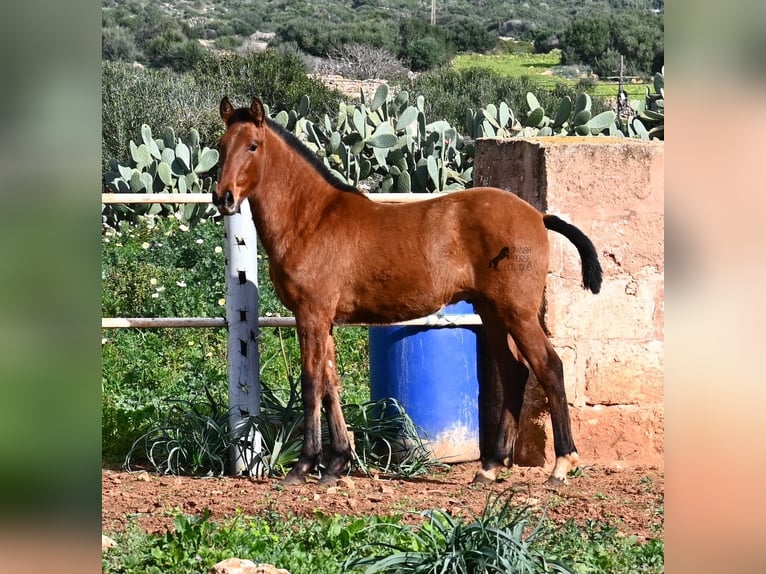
(612, 344)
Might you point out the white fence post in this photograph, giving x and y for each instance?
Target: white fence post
(242, 323)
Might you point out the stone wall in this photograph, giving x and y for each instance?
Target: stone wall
(612, 344)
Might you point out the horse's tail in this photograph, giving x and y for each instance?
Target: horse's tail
(591, 268)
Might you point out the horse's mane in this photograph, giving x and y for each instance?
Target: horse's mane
(243, 115)
(311, 157)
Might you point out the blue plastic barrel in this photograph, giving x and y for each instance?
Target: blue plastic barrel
(432, 372)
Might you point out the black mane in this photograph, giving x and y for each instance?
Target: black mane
(311, 157)
(243, 115)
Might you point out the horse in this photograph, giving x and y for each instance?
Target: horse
(337, 257)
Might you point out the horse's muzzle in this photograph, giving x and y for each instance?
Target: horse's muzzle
(224, 202)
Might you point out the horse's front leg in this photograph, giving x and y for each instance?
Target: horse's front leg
(340, 448)
(312, 338)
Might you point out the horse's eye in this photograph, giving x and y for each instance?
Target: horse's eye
(253, 147)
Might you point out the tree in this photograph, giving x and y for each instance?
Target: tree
(119, 44)
(638, 37)
(599, 42)
(585, 40)
(421, 45)
(469, 35)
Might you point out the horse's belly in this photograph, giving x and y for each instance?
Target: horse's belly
(390, 306)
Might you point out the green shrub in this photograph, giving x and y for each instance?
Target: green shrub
(449, 93)
(468, 34)
(422, 46)
(599, 40)
(119, 43)
(163, 98)
(498, 540)
(131, 97)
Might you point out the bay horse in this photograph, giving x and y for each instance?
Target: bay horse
(337, 257)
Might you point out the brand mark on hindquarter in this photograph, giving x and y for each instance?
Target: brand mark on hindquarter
(493, 263)
(519, 258)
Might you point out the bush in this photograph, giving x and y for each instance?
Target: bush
(469, 35)
(585, 40)
(119, 43)
(163, 98)
(599, 41)
(364, 62)
(449, 93)
(501, 539)
(422, 46)
(320, 39)
(132, 96)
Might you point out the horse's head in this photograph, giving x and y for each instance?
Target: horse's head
(240, 156)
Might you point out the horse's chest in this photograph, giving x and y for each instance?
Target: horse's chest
(296, 287)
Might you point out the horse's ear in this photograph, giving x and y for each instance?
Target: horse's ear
(226, 109)
(257, 113)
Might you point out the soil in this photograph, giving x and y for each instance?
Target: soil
(631, 499)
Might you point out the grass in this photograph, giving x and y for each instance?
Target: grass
(542, 69)
(503, 538)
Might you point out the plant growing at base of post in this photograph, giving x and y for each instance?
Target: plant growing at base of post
(194, 438)
(495, 541)
(166, 164)
(191, 439)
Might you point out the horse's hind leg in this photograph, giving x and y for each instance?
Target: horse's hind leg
(340, 448)
(513, 375)
(547, 367)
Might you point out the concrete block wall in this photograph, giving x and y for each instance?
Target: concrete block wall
(612, 344)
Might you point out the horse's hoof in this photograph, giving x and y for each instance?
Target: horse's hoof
(294, 480)
(555, 481)
(484, 477)
(328, 480)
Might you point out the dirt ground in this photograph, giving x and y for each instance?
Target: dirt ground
(630, 499)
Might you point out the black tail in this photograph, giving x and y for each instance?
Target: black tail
(591, 268)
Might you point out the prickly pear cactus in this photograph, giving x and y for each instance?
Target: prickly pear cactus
(166, 164)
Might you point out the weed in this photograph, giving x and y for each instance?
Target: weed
(499, 540)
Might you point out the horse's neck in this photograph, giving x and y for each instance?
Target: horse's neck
(290, 200)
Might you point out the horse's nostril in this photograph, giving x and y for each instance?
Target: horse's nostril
(228, 198)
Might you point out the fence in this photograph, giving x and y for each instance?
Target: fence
(242, 320)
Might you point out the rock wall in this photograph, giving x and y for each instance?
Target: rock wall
(612, 344)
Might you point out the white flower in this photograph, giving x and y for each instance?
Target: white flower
(199, 241)
(145, 245)
(104, 340)
(181, 283)
(218, 249)
(160, 289)
(155, 295)
(222, 301)
(153, 281)
(183, 227)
